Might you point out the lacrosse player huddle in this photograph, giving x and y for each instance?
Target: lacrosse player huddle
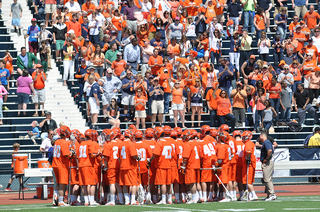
(137, 168)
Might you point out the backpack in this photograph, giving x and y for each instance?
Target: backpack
(294, 126)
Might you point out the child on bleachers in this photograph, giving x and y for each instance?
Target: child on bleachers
(34, 134)
(8, 58)
(3, 92)
(43, 55)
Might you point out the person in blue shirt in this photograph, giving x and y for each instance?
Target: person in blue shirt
(4, 79)
(81, 72)
(226, 75)
(94, 97)
(267, 165)
(281, 22)
(156, 93)
(33, 33)
(128, 94)
(35, 133)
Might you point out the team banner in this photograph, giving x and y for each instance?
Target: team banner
(280, 154)
(303, 155)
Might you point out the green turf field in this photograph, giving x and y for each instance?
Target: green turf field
(293, 203)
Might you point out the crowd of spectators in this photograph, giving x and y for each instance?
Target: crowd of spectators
(162, 53)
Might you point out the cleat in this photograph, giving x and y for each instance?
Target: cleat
(62, 204)
(8, 189)
(183, 201)
(255, 198)
(192, 202)
(135, 203)
(271, 198)
(215, 199)
(111, 203)
(203, 200)
(94, 203)
(177, 202)
(75, 203)
(25, 189)
(169, 202)
(86, 204)
(161, 203)
(225, 200)
(127, 203)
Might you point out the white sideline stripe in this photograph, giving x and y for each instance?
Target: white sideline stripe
(246, 209)
(172, 208)
(300, 209)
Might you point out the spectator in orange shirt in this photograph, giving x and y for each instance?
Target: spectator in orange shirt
(274, 89)
(192, 7)
(155, 62)
(88, 7)
(292, 26)
(8, 59)
(300, 37)
(39, 78)
(220, 5)
(239, 96)
(212, 104)
(75, 25)
(310, 48)
(140, 102)
(308, 67)
(259, 21)
(118, 65)
(311, 18)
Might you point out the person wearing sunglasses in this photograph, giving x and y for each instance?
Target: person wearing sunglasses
(287, 77)
(113, 113)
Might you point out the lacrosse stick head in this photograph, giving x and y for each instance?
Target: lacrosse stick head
(141, 194)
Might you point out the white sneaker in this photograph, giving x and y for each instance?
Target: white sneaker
(234, 199)
(255, 198)
(94, 203)
(161, 203)
(127, 203)
(111, 203)
(268, 30)
(271, 198)
(62, 204)
(225, 200)
(191, 202)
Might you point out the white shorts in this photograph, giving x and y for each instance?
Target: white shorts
(196, 104)
(177, 106)
(40, 96)
(94, 108)
(50, 8)
(157, 106)
(106, 98)
(206, 53)
(306, 83)
(127, 99)
(140, 114)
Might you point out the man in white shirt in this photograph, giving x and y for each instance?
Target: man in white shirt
(147, 51)
(46, 143)
(73, 6)
(132, 55)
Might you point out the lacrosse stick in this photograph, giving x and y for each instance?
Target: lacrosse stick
(148, 196)
(227, 192)
(245, 196)
(140, 191)
(25, 33)
(101, 176)
(69, 183)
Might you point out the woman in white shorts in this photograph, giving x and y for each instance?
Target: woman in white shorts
(140, 102)
(86, 90)
(197, 93)
(113, 113)
(177, 102)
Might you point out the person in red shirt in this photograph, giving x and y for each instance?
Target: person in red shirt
(87, 179)
(163, 153)
(60, 162)
(208, 158)
(239, 154)
(191, 163)
(128, 167)
(110, 152)
(223, 160)
(249, 162)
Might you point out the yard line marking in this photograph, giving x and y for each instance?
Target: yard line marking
(300, 209)
(172, 208)
(247, 209)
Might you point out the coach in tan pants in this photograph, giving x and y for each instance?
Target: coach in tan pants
(267, 165)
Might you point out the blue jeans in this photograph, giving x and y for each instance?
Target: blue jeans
(214, 56)
(294, 86)
(133, 65)
(119, 36)
(267, 125)
(257, 118)
(275, 103)
(259, 33)
(230, 117)
(213, 117)
(76, 62)
(248, 19)
(285, 115)
(278, 56)
(81, 86)
(166, 102)
(282, 32)
(41, 14)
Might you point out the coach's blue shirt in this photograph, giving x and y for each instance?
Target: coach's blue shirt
(264, 149)
(95, 89)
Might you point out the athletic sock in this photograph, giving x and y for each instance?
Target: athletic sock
(60, 198)
(86, 199)
(194, 197)
(9, 184)
(210, 195)
(216, 194)
(163, 198)
(170, 198)
(154, 197)
(120, 195)
(126, 197)
(91, 198)
(241, 193)
(199, 195)
(253, 193)
(133, 198)
(177, 195)
(183, 196)
(102, 197)
(112, 197)
(204, 195)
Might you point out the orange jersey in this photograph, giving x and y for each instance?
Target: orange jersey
(309, 64)
(153, 61)
(60, 153)
(224, 153)
(152, 143)
(95, 161)
(179, 149)
(175, 151)
(260, 21)
(239, 154)
(249, 147)
(126, 154)
(164, 153)
(231, 143)
(142, 99)
(9, 66)
(83, 153)
(74, 146)
(191, 151)
(111, 150)
(207, 153)
(144, 151)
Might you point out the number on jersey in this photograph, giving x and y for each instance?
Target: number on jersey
(83, 151)
(196, 152)
(167, 152)
(123, 152)
(56, 151)
(115, 150)
(142, 153)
